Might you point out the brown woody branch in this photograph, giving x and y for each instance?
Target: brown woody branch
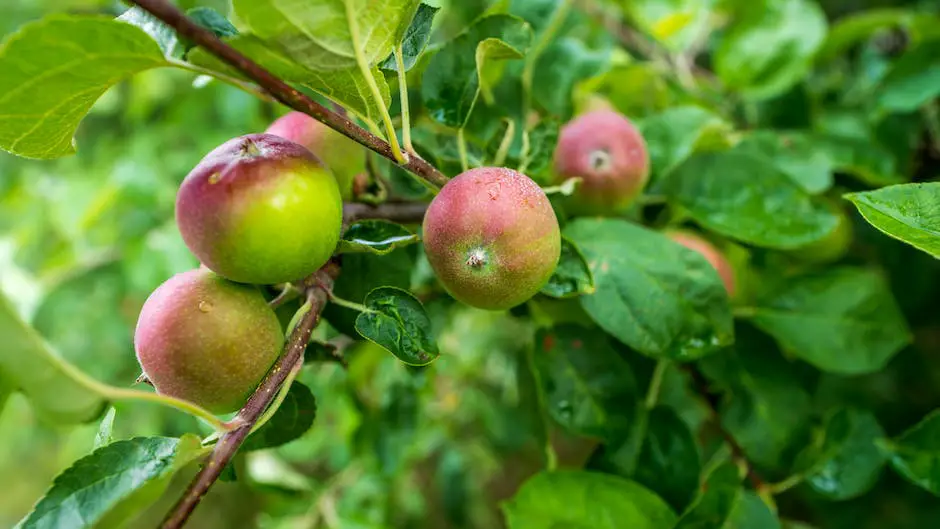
(282, 91)
(711, 398)
(403, 212)
(316, 289)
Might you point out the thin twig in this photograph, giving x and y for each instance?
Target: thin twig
(288, 293)
(702, 387)
(282, 91)
(267, 391)
(403, 212)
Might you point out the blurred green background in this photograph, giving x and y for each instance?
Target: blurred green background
(85, 239)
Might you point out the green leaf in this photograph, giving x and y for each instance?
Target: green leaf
(542, 140)
(635, 89)
(555, 500)
(163, 35)
(572, 276)
(289, 422)
(563, 64)
(347, 86)
(672, 135)
(865, 159)
(842, 320)
(859, 26)
(713, 506)
(631, 266)
(363, 272)
(658, 452)
(105, 429)
(764, 407)
(320, 352)
(724, 504)
(740, 195)
(796, 154)
(100, 344)
(916, 453)
(456, 74)
(415, 40)
(588, 387)
(750, 512)
(172, 46)
(113, 483)
(907, 212)
(398, 322)
(326, 35)
(213, 21)
(375, 236)
(764, 54)
(846, 462)
(47, 379)
(913, 81)
(675, 23)
(53, 72)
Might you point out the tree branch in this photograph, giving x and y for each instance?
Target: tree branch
(316, 289)
(403, 212)
(282, 91)
(711, 398)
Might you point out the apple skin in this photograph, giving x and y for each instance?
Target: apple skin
(492, 238)
(831, 248)
(344, 157)
(260, 209)
(610, 155)
(711, 254)
(207, 340)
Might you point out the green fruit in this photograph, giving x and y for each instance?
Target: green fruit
(832, 247)
(609, 154)
(711, 254)
(207, 340)
(492, 238)
(344, 157)
(260, 209)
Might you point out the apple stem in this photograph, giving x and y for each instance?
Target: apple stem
(403, 96)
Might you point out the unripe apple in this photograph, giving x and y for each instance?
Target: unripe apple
(492, 237)
(609, 154)
(260, 209)
(832, 247)
(711, 254)
(207, 340)
(344, 157)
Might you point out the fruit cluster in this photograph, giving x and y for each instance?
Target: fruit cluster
(263, 209)
(260, 209)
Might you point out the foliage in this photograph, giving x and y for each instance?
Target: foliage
(632, 391)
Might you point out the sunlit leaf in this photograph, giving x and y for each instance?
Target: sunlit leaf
(53, 72)
(766, 52)
(39, 372)
(907, 212)
(113, 483)
(552, 500)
